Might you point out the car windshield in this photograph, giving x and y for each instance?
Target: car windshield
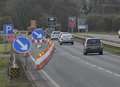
(93, 41)
(57, 32)
(66, 35)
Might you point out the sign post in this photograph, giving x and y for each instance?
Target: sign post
(82, 25)
(52, 21)
(8, 30)
(38, 34)
(72, 23)
(22, 45)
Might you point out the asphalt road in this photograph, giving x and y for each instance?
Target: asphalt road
(70, 68)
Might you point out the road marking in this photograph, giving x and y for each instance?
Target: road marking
(99, 68)
(50, 79)
(102, 69)
(32, 76)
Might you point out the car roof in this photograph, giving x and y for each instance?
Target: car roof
(65, 33)
(93, 38)
(55, 31)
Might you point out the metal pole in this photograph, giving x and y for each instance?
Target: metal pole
(4, 42)
(72, 30)
(26, 63)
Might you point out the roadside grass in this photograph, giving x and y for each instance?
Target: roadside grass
(6, 82)
(5, 48)
(3, 80)
(114, 33)
(3, 74)
(3, 63)
(110, 33)
(111, 49)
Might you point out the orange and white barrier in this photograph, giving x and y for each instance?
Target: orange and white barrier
(43, 58)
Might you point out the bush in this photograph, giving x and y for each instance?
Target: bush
(103, 24)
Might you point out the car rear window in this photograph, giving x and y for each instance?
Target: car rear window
(67, 35)
(56, 32)
(93, 41)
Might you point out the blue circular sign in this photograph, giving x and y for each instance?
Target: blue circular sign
(38, 34)
(21, 44)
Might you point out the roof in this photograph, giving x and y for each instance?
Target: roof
(92, 38)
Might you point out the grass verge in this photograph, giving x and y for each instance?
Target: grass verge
(111, 49)
(4, 80)
(104, 33)
(3, 75)
(5, 48)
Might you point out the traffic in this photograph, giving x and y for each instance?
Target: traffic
(59, 43)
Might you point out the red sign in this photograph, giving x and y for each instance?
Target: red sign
(72, 22)
(11, 37)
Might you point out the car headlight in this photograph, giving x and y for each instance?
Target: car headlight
(119, 32)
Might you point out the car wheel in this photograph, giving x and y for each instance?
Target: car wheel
(72, 43)
(85, 53)
(60, 43)
(101, 53)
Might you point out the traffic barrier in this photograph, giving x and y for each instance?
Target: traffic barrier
(41, 66)
(43, 58)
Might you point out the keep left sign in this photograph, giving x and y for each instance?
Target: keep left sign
(22, 44)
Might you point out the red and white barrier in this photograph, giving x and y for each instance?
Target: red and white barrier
(43, 58)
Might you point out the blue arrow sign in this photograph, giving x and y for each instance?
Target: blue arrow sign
(22, 44)
(38, 34)
(8, 29)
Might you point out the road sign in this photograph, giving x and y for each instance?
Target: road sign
(52, 21)
(38, 34)
(22, 44)
(72, 22)
(82, 24)
(8, 29)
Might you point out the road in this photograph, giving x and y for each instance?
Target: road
(70, 68)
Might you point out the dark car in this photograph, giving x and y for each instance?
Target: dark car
(93, 45)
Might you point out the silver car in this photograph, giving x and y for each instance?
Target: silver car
(65, 37)
(55, 34)
(118, 33)
(93, 45)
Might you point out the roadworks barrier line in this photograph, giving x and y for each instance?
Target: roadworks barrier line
(44, 57)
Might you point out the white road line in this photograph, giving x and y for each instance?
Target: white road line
(50, 79)
(102, 69)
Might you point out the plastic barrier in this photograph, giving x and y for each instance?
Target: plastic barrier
(43, 57)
